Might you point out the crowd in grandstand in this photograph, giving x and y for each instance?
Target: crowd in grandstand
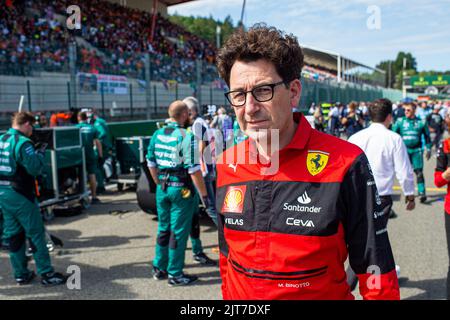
(32, 38)
(31, 41)
(318, 74)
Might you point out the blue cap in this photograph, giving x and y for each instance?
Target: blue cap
(407, 100)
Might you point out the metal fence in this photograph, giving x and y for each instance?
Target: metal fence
(344, 92)
(135, 99)
(140, 86)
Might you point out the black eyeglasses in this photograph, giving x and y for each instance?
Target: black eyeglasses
(261, 93)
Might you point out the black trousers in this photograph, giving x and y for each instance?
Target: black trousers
(437, 138)
(386, 204)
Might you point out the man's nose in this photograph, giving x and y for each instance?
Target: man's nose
(251, 104)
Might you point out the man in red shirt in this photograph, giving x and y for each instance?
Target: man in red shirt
(293, 202)
(442, 178)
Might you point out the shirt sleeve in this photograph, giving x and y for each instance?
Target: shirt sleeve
(223, 248)
(30, 159)
(199, 131)
(190, 150)
(396, 126)
(403, 168)
(370, 253)
(426, 135)
(151, 159)
(101, 133)
(441, 166)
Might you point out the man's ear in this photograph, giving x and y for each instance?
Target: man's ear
(295, 92)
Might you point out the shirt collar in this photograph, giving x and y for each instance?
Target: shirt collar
(302, 134)
(14, 131)
(173, 124)
(377, 125)
(300, 138)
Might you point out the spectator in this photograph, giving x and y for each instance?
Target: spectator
(224, 124)
(436, 125)
(399, 112)
(333, 120)
(353, 120)
(318, 119)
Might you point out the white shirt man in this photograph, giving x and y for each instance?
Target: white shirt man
(334, 112)
(201, 131)
(444, 110)
(364, 109)
(387, 157)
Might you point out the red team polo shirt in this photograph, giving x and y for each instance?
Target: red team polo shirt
(287, 235)
(443, 161)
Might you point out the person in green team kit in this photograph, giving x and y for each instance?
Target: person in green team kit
(105, 139)
(238, 134)
(1, 230)
(89, 137)
(20, 163)
(173, 161)
(411, 129)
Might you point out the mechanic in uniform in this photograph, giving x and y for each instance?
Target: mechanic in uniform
(41, 120)
(105, 139)
(291, 209)
(239, 136)
(412, 129)
(20, 163)
(173, 161)
(89, 136)
(59, 119)
(1, 231)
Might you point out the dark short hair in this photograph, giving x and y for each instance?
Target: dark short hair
(380, 109)
(20, 118)
(262, 42)
(353, 105)
(82, 116)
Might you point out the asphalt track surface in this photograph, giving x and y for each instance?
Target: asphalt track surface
(113, 245)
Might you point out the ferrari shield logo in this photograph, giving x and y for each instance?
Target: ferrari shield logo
(316, 161)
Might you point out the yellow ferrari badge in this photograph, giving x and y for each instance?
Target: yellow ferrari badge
(316, 161)
(185, 193)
